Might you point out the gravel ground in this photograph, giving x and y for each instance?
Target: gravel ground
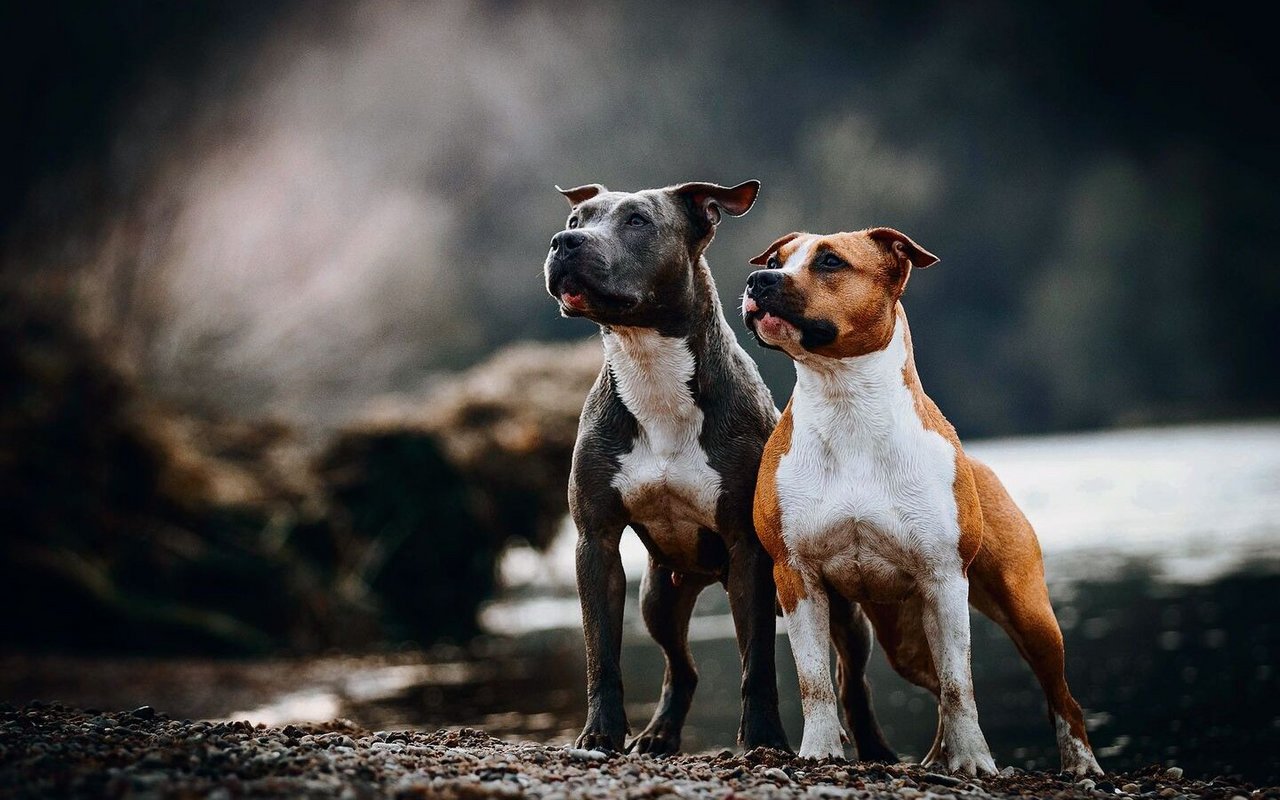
(51, 750)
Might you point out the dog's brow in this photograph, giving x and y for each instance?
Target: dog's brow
(801, 249)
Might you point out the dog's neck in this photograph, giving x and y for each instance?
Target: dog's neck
(863, 395)
(659, 376)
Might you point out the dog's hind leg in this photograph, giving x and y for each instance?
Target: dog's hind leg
(666, 605)
(751, 600)
(1025, 614)
(851, 633)
(1007, 584)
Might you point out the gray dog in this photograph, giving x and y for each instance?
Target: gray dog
(669, 443)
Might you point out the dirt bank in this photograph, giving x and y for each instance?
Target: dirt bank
(50, 750)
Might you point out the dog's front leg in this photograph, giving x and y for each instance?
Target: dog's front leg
(602, 587)
(751, 599)
(945, 612)
(804, 602)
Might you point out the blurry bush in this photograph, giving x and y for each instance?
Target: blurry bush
(430, 491)
(131, 527)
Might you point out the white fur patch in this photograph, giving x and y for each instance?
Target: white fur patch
(866, 490)
(1076, 756)
(800, 256)
(666, 482)
(867, 504)
(946, 627)
(808, 629)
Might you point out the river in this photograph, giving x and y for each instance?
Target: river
(1162, 549)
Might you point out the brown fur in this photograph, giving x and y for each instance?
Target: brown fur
(768, 516)
(1006, 583)
(997, 544)
(852, 298)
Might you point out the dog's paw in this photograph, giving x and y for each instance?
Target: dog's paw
(822, 739)
(1077, 758)
(763, 730)
(972, 761)
(660, 738)
(821, 751)
(1081, 763)
(593, 738)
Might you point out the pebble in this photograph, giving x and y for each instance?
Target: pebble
(584, 755)
(52, 750)
(941, 780)
(1173, 773)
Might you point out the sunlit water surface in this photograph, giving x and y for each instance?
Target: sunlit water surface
(1162, 549)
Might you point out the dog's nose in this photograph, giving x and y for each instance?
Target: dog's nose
(763, 279)
(566, 242)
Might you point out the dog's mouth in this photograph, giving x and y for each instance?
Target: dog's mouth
(579, 299)
(774, 328)
(779, 328)
(770, 325)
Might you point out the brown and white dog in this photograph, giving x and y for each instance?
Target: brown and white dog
(865, 495)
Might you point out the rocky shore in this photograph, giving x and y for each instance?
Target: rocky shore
(49, 750)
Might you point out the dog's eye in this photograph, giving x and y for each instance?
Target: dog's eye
(831, 261)
(635, 221)
(772, 263)
(573, 222)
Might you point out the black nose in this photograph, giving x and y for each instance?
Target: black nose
(565, 242)
(763, 279)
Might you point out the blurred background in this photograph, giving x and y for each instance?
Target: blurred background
(286, 414)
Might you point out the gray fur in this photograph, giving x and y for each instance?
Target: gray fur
(654, 276)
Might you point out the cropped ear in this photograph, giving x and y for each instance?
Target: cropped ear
(901, 245)
(763, 258)
(709, 199)
(581, 194)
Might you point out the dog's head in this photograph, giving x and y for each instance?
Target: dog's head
(628, 258)
(833, 295)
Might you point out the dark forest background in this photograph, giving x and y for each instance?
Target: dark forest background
(248, 247)
(292, 207)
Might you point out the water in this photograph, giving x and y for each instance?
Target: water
(1162, 549)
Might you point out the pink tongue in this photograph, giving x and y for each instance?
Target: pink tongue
(749, 305)
(773, 325)
(576, 301)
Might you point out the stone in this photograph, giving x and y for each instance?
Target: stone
(579, 754)
(941, 780)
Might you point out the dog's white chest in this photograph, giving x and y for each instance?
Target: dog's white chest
(666, 482)
(867, 498)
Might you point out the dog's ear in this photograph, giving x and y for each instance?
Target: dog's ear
(763, 258)
(903, 247)
(707, 200)
(581, 194)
